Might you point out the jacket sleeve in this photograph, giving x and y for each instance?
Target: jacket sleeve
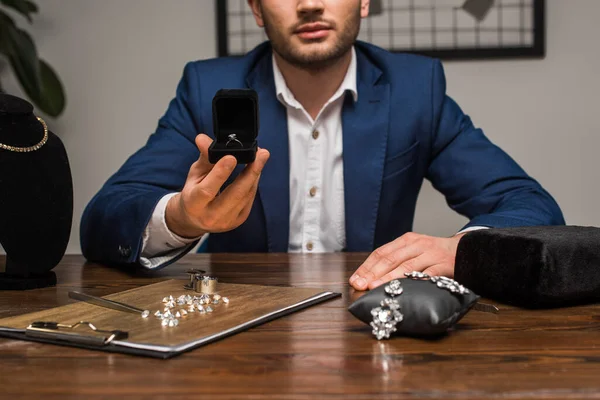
(113, 222)
(477, 178)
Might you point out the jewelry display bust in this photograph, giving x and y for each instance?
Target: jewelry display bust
(36, 197)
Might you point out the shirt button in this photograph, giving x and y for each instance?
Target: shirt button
(309, 246)
(315, 134)
(313, 191)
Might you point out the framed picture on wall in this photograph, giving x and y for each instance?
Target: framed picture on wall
(445, 29)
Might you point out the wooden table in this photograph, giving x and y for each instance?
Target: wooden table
(319, 353)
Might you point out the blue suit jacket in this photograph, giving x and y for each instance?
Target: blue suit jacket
(402, 129)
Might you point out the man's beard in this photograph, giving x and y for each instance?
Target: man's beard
(314, 60)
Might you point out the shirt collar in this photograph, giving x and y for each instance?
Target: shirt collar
(285, 95)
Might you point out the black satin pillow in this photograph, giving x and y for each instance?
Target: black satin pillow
(426, 308)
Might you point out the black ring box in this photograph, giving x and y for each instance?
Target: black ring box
(235, 111)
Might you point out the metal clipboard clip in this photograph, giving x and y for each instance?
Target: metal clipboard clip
(55, 331)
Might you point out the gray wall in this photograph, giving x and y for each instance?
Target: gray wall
(121, 60)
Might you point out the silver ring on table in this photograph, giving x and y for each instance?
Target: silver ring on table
(233, 140)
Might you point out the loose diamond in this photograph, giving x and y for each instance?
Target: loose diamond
(209, 309)
(177, 314)
(183, 313)
(204, 298)
(226, 300)
(164, 322)
(191, 309)
(145, 314)
(165, 300)
(216, 297)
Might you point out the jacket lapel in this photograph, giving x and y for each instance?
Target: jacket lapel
(365, 134)
(273, 187)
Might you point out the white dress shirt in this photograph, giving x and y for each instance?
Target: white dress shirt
(317, 215)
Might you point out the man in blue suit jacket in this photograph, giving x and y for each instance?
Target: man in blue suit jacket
(348, 132)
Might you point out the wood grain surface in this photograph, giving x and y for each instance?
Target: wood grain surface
(322, 352)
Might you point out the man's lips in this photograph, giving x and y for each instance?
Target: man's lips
(315, 30)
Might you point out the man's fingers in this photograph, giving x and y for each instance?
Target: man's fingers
(203, 142)
(383, 253)
(418, 263)
(251, 174)
(373, 259)
(403, 256)
(243, 215)
(437, 270)
(222, 209)
(202, 166)
(236, 195)
(207, 189)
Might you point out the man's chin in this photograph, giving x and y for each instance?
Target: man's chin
(313, 54)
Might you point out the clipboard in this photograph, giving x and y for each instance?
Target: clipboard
(119, 332)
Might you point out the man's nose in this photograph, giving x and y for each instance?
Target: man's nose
(310, 6)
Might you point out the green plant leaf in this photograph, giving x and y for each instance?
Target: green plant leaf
(25, 7)
(37, 78)
(52, 99)
(18, 46)
(5, 22)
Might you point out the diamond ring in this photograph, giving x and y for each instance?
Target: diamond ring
(233, 140)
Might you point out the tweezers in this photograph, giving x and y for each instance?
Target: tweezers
(484, 307)
(113, 305)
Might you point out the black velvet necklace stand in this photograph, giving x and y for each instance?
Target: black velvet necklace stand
(36, 199)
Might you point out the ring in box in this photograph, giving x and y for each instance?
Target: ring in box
(235, 124)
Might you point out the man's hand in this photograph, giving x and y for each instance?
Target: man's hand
(200, 207)
(410, 252)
